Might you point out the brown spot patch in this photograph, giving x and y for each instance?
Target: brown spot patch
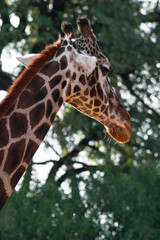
(69, 48)
(74, 76)
(36, 84)
(10, 110)
(50, 68)
(88, 106)
(83, 98)
(30, 150)
(112, 117)
(14, 157)
(55, 81)
(82, 80)
(53, 116)
(96, 109)
(60, 51)
(92, 81)
(102, 117)
(18, 124)
(97, 102)
(110, 94)
(74, 105)
(49, 108)
(68, 73)
(86, 92)
(4, 136)
(27, 98)
(42, 131)
(56, 95)
(78, 102)
(18, 174)
(106, 111)
(93, 92)
(100, 92)
(1, 156)
(63, 62)
(64, 43)
(96, 115)
(68, 91)
(111, 107)
(96, 70)
(64, 84)
(60, 101)
(87, 112)
(103, 107)
(3, 195)
(76, 88)
(37, 114)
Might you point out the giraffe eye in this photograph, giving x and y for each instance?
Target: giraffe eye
(105, 69)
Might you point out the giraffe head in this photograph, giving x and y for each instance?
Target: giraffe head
(91, 91)
(83, 70)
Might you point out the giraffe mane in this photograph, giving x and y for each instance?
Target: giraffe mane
(26, 76)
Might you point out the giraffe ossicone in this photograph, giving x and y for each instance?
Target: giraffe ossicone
(72, 70)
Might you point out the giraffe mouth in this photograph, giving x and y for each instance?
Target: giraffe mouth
(121, 134)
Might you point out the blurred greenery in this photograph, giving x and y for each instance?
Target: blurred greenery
(107, 190)
(109, 204)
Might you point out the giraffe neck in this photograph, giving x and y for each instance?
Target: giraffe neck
(26, 76)
(25, 125)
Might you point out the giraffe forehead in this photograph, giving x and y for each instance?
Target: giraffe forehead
(86, 44)
(82, 45)
(90, 47)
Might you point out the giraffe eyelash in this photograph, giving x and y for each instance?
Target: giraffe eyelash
(105, 69)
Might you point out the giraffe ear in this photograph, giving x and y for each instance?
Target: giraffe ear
(88, 63)
(26, 59)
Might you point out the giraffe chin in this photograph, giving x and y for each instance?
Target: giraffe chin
(119, 133)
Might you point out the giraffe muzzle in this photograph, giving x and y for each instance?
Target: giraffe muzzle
(121, 133)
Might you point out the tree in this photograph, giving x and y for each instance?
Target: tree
(5, 79)
(112, 205)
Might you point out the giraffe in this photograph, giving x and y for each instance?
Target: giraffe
(71, 70)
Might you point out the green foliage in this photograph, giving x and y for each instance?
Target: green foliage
(114, 204)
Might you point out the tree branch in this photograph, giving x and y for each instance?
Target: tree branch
(51, 146)
(45, 162)
(75, 171)
(129, 85)
(67, 158)
(5, 80)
